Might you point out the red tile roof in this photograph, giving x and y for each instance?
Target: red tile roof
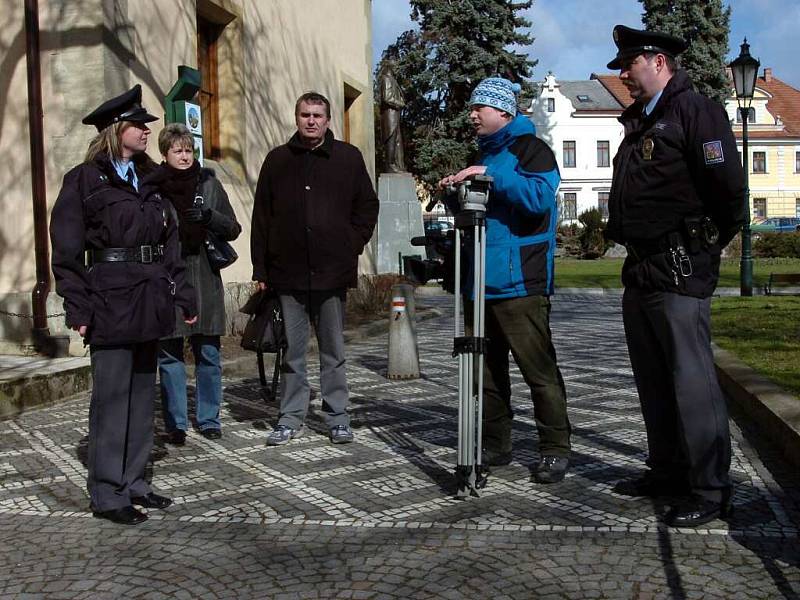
(785, 102)
(615, 87)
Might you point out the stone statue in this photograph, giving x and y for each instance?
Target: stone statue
(391, 103)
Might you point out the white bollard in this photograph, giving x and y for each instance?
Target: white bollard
(403, 354)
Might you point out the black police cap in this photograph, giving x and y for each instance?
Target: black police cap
(633, 42)
(125, 107)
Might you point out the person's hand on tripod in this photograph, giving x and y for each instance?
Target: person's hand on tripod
(462, 175)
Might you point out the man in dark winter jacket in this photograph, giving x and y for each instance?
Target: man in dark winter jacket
(521, 222)
(313, 213)
(677, 199)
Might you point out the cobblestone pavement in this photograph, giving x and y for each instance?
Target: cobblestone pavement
(376, 519)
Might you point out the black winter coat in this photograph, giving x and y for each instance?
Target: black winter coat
(679, 163)
(207, 283)
(313, 213)
(120, 302)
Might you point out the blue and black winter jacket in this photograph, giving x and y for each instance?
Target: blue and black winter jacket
(521, 216)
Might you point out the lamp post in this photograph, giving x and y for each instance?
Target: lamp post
(745, 71)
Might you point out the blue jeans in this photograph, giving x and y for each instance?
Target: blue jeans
(208, 389)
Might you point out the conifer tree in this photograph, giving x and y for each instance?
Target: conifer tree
(705, 25)
(459, 42)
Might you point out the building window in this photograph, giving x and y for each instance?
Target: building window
(759, 162)
(797, 207)
(570, 207)
(602, 204)
(350, 96)
(207, 39)
(759, 208)
(551, 105)
(569, 154)
(797, 162)
(751, 115)
(603, 154)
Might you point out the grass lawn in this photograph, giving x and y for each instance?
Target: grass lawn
(604, 272)
(763, 332)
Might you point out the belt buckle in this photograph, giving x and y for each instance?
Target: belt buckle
(146, 254)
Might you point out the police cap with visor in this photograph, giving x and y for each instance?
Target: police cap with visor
(125, 107)
(633, 42)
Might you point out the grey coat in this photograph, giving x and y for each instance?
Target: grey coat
(210, 293)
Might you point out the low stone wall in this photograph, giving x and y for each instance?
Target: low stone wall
(15, 331)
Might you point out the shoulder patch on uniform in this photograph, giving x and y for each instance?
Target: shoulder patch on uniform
(712, 151)
(533, 154)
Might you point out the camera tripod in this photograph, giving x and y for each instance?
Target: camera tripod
(470, 223)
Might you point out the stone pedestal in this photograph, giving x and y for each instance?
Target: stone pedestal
(399, 220)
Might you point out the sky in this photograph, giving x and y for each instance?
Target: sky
(573, 37)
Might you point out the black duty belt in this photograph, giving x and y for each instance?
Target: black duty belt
(139, 254)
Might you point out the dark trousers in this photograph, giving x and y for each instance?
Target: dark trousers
(685, 414)
(120, 423)
(522, 326)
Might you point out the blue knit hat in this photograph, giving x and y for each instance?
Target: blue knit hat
(496, 92)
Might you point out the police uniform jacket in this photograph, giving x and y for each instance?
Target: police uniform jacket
(675, 166)
(120, 302)
(313, 212)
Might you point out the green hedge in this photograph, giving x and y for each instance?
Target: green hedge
(775, 245)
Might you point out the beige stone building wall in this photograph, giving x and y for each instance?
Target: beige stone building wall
(270, 51)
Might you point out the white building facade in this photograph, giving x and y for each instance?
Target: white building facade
(579, 120)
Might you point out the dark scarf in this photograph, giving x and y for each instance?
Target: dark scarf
(180, 187)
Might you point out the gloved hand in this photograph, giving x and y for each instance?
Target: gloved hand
(197, 215)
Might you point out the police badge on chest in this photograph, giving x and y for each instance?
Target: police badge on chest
(648, 145)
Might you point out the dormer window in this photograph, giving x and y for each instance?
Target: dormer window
(751, 115)
(584, 98)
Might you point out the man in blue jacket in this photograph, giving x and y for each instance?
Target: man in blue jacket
(520, 242)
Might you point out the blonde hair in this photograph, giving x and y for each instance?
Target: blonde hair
(174, 133)
(107, 142)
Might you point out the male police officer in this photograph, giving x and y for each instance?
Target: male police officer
(677, 199)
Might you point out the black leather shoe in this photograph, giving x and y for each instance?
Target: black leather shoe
(650, 486)
(211, 434)
(152, 500)
(698, 511)
(177, 437)
(551, 469)
(127, 515)
(491, 458)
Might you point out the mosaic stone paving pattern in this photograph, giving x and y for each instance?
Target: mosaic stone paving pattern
(376, 518)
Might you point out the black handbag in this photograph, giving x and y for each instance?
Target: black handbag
(265, 333)
(220, 253)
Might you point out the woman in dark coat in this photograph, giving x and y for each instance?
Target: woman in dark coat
(200, 205)
(108, 214)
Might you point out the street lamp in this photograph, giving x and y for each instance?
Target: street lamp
(745, 71)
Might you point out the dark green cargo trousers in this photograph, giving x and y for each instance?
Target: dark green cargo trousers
(522, 326)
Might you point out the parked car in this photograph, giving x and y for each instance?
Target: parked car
(777, 225)
(437, 227)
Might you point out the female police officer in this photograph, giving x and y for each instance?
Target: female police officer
(123, 301)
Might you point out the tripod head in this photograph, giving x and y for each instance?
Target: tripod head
(473, 193)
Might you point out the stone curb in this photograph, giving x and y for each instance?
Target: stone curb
(46, 385)
(776, 412)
